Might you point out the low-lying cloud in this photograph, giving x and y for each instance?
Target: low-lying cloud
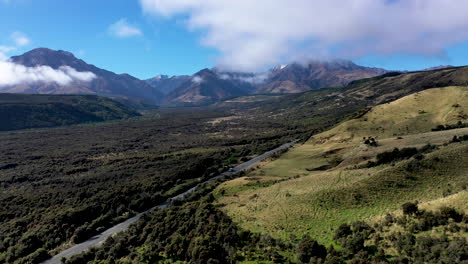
(254, 34)
(253, 78)
(15, 74)
(197, 79)
(4, 50)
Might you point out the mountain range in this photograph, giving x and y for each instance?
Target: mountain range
(362, 152)
(205, 86)
(106, 82)
(296, 78)
(210, 85)
(166, 84)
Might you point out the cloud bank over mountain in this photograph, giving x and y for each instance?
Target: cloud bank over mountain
(14, 74)
(254, 34)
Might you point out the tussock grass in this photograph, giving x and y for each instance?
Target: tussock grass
(413, 114)
(294, 195)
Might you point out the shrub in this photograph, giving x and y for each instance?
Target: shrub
(395, 155)
(410, 208)
(370, 141)
(452, 213)
(309, 248)
(342, 231)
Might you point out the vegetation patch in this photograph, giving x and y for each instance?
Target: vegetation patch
(21, 111)
(400, 154)
(317, 197)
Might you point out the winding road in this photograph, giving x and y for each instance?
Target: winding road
(97, 240)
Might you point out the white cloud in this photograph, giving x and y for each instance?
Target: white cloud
(14, 74)
(20, 39)
(3, 50)
(254, 78)
(197, 79)
(254, 34)
(123, 29)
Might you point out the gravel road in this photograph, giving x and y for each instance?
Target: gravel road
(97, 240)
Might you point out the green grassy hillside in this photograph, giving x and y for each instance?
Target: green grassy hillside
(20, 111)
(416, 113)
(317, 111)
(311, 189)
(325, 182)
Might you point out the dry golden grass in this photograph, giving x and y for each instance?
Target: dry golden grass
(290, 196)
(413, 114)
(458, 201)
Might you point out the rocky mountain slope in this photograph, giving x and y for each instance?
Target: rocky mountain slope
(167, 84)
(207, 86)
(296, 78)
(106, 83)
(293, 78)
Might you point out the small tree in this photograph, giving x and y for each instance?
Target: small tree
(308, 248)
(343, 231)
(410, 208)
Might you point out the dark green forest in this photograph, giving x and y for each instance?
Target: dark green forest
(62, 185)
(20, 111)
(198, 232)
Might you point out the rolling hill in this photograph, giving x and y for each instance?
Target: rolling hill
(335, 177)
(20, 111)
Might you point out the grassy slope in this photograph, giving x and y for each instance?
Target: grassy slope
(317, 111)
(286, 196)
(20, 111)
(416, 113)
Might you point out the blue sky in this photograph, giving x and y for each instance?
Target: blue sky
(165, 45)
(81, 27)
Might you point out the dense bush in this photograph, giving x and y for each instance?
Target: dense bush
(364, 244)
(370, 141)
(20, 111)
(459, 124)
(77, 181)
(196, 232)
(309, 248)
(456, 139)
(400, 154)
(410, 208)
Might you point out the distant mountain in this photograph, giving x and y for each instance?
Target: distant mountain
(438, 67)
(208, 86)
(296, 78)
(213, 85)
(106, 84)
(166, 84)
(20, 111)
